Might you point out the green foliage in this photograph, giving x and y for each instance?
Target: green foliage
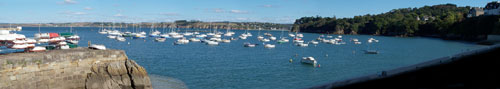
(427, 20)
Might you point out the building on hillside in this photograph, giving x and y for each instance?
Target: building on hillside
(475, 11)
(492, 8)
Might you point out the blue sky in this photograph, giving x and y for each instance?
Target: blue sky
(275, 11)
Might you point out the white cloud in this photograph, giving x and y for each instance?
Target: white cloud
(239, 11)
(74, 13)
(269, 6)
(241, 18)
(219, 10)
(68, 2)
(170, 14)
(118, 15)
(88, 8)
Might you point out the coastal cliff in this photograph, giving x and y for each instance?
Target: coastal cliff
(78, 68)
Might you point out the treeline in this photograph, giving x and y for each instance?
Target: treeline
(438, 21)
(176, 24)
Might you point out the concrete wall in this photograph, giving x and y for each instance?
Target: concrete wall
(72, 69)
(475, 69)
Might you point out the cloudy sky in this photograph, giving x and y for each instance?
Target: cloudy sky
(275, 11)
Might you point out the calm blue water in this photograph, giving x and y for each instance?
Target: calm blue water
(230, 65)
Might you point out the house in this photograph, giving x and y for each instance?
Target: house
(475, 11)
(492, 8)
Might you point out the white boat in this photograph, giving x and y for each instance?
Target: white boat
(18, 41)
(210, 34)
(194, 40)
(177, 36)
(314, 42)
(291, 35)
(265, 40)
(43, 40)
(64, 47)
(226, 40)
(188, 34)
(309, 60)
(4, 32)
(38, 49)
(98, 47)
(112, 37)
(243, 37)
(298, 40)
(62, 43)
(42, 35)
(246, 44)
(228, 34)
(216, 39)
(19, 46)
(165, 36)
(142, 33)
(201, 36)
(319, 38)
(217, 36)
(73, 41)
(300, 35)
(329, 36)
(269, 45)
(212, 43)
(160, 39)
(249, 34)
(260, 37)
(182, 41)
(302, 44)
(74, 37)
(29, 45)
(357, 42)
(283, 40)
(272, 38)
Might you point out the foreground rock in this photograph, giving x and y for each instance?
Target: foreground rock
(72, 69)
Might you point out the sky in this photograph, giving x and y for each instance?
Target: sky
(273, 11)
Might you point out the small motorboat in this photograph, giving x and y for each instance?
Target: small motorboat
(159, 39)
(194, 40)
(226, 41)
(269, 45)
(371, 52)
(302, 44)
(265, 40)
(212, 43)
(182, 41)
(272, 38)
(243, 37)
(111, 37)
(260, 37)
(314, 42)
(38, 49)
(19, 46)
(72, 41)
(308, 60)
(30, 41)
(98, 47)
(120, 38)
(65, 47)
(246, 44)
(283, 40)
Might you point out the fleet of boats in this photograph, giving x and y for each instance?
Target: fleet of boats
(40, 41)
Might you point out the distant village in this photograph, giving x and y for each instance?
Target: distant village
(490, 9)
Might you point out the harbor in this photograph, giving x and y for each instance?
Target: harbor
(279, 64)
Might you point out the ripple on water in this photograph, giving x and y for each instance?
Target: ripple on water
(164, 82)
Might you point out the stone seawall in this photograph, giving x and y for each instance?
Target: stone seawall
(78, 68)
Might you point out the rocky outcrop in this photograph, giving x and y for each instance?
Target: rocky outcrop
(72, 69)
